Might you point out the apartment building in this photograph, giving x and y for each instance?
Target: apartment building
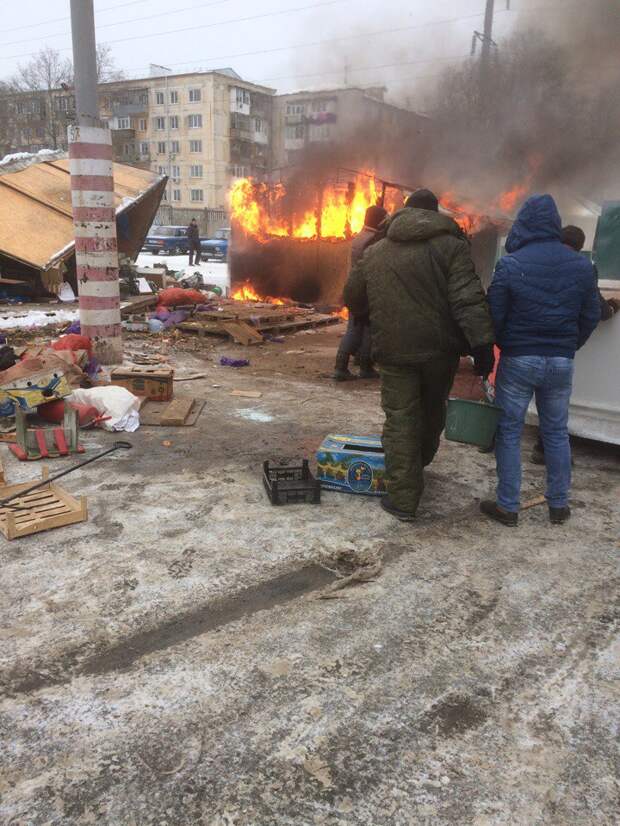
(201, 129)
(356, 119)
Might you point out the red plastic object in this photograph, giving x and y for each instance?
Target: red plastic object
(40, 437)
(176, 296)
(72, 341)
(53, 412)
(61, 443)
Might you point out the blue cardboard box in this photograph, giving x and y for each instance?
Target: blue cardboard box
(352, 464)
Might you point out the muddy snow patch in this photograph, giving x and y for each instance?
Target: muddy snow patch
(253, 414)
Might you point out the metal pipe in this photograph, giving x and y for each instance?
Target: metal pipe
(84, 61)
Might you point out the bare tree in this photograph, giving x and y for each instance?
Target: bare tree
(45, 74)
(106, 65)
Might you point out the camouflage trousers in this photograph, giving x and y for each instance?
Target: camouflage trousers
(414, 403)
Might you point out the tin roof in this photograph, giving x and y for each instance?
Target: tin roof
(36, 224)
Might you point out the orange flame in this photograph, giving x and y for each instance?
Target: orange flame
(257, 209)
(507, 201)
(246, 292)
(343, 313)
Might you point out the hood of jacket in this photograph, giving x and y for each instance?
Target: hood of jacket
(420, 225)
(538, 220)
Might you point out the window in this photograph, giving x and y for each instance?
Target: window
(195, 146)
(159, 124)
(174, 122)
(124, 123)
(295, 132)
(144, 148)
(174, 97)
(238, 171)
(195, 95)
(161, 147)
(161, 170)
(175, 147)
(195, 171)
(175, 171)
(159, 98)
(319, 106)
(197, 195)
(144, 97)
(243, 97)
(164, 196)
(295, 108)
(260, 126)
(176, 194)
(127, 149)
(142, 124)
(194, 121)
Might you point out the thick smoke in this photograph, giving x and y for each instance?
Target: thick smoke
(545, 114)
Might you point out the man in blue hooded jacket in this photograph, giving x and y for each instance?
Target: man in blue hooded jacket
(544, 304)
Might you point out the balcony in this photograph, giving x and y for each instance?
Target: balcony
(294, 120)
(241, 135)
(123, 110)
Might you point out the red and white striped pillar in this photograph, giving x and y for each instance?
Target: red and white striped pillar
(96, 253)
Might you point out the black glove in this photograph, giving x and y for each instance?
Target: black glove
(484, 360)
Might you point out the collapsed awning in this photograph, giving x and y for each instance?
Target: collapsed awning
(36, 225)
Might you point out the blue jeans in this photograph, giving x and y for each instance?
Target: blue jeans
(550, 378)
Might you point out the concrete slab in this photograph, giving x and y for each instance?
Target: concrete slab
(169, 662)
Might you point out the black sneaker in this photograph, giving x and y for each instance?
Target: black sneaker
(491, 509)
(558, 516)
(344, 375)
(404, 516)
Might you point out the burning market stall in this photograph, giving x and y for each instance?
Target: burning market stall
(293, 238)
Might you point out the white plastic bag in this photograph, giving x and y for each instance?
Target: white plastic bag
(116, 402)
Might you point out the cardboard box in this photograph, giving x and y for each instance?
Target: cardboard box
(352, 464)
(153, 383)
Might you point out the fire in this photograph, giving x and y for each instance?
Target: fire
(343, 313)
(246, 292)
(335, 212)
(466, 215)
(507, 201)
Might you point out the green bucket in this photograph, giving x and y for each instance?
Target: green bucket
(473, 423)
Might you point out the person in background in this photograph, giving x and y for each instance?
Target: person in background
(193, 235)
(426, 307)
(357, 337)
(545, 305)
(575, 238)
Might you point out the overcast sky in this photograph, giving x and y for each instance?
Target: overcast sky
(295, 44)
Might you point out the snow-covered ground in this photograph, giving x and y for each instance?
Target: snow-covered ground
(21, 316)
(213, 272)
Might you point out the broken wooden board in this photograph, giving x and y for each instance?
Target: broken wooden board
(151, 413)
(177, 411)
(242, 332)
(41, 510)
(246, 394)
(137, 304)
(274, 322)
(2, 479)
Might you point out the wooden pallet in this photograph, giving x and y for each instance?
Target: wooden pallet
(47, 507)
(246, 326)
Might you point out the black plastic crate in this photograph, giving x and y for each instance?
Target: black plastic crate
(291, 484)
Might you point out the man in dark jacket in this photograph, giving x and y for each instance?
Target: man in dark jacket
(426, 307)
(193, 235)
(575, 238)
(545, 305)
(357, 337)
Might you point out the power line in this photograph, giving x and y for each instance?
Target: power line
(126, 22)
(326, 41)
(62, 19)
(201, 26)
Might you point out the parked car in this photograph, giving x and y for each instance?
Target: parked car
(172, 240)
(216, 247)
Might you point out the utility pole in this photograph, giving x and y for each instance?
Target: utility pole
(487, 36)
(92, 197)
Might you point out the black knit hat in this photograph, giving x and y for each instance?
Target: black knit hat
(375, 215)
(423, 199)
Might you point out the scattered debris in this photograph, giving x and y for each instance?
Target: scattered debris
(352, 567)
(226, 361)
(191, 378)
(46, 442)
(246, 394)
(50, 506)
(117, 404)
(158, 414)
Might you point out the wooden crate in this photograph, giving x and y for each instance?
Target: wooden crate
(47, 507)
